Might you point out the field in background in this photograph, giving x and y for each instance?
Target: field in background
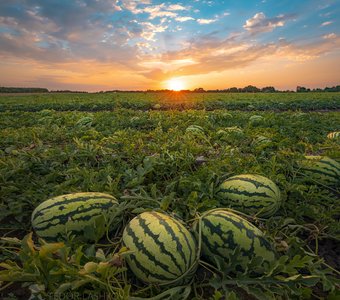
(146, 101)
(138, 145)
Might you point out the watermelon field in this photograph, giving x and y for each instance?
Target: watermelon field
(170, 196)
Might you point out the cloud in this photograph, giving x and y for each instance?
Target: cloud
(155, 11)
(184, 19)
(64, 31)
(132, 5)
(176, 7)
(326, 23)
(260, 23)
(159, 11)
(151, 29)
(330, 36)
(212, 55)
(206, 21)
(308, 51)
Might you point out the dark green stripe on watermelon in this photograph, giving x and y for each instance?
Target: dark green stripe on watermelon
(155, 240)
(64, 218)
(147, 253)
(173, 235)
(310, 170)
(223, 232)
(68, 201)
(148, 232)
(256, 183)
(245, 193)
(179, 226)
(71, 213)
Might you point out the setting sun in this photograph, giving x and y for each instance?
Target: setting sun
(175, 84)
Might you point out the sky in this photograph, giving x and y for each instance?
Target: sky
(95, 45)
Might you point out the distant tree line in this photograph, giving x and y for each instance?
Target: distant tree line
(270, 89)
(302, 89)
(22, 90)
(67, 91)
(34, 90)
(247, 89)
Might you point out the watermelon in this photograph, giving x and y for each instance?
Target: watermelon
(85, 122)
(333, 135)
(261, 141)
(251, 194)
(320, 169)
(163, 250)
(256, 120)
(71, 213)
(230, 131)
(195, 129)
(222, 232)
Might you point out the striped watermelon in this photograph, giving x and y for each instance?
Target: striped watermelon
(256, 120)
(230, 133)
(163, 250)
(251, 194)
(261, 141)
(230, 130)
(223, 231)
(195, 129)
(320, 169)
(333, 135)
(71, 213)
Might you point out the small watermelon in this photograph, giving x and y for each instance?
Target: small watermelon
(223, 232)
(194, 129)
(163, 250)
(54, 218)
(261, 141)
(256, 120)
(230, 130)
(251, 194)
(320, 169)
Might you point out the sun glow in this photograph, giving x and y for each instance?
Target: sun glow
(175, 84)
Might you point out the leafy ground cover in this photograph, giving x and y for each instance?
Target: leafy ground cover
(146, 101)
(144, 154)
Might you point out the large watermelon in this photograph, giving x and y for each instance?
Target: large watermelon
(223, 231)
(251, 194)
(163, 250)
(71, 213)
(320, 169)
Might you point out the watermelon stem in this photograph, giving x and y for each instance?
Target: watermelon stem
(6, 286)
(210, 267)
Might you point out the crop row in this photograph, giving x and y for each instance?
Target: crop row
(165, 101)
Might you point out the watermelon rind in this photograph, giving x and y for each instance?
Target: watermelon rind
(250, 193)
(65, 215)
(320, 169)
(163, 250)
(224, 231)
